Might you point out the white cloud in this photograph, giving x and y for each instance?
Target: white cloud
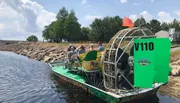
(133, 17)
(164, 17)
(92, 17)
(21, 18)
(5, 11)
(84, 1)
(123, 1)
(45, 18)
(177, 12)
(146, 15)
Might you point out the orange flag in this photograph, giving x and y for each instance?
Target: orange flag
(128, 22)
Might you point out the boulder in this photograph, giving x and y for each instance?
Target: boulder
(47, 59)
(25, 51)
(52, 60)
(52, 49)
(176, 62)
(53, 55)
(175, 70)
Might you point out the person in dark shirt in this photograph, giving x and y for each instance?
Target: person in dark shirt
(70, 47)
(81, 49)
(71, 52)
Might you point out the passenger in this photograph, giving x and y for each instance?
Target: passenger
(81, 49)
(71, 53)
(69, 48)
(91, 46)
(100, 47)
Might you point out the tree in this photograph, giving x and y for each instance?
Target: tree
(85, 31)
(49, 33)
(65, 27)
(73, 27)
(96, 30)
(46, 33)
(140, 22)
(32, 38)
(154, 26)
(175, 24)
(164, 26)
(62, 14)
(61, 25)
(103, 30)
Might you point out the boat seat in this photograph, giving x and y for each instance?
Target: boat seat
(91, 55)
(90, 62)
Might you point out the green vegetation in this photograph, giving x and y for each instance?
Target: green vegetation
(104, 29)
(32, 38)
(67, 27)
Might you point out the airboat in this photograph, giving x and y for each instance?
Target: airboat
(108, 74)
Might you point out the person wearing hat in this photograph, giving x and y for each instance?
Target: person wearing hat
(100, 46)
(91, 46)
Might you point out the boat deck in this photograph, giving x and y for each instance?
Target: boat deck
(79, 80)
(66, 73)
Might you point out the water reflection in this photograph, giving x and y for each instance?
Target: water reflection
(74, 94)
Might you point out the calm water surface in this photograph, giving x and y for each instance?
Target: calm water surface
(23, 80)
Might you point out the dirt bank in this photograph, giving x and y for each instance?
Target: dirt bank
(172, 88)
(53, 52)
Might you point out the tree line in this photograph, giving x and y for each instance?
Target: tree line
(67, 27)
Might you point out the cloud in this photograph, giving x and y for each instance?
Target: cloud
(22, 18)
(164, 17)
(5, 11)
(1, 26)
(123, 1)
(146, 15)
(133, 17)
(92, 17)
(45, 18)
(177, 12)
(84, 1)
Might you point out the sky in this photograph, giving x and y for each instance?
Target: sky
(22, 18)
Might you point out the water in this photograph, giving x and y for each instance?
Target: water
(23, 80)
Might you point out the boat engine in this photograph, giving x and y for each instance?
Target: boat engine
(118, 61)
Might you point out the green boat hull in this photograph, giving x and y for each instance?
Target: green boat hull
(109, 97)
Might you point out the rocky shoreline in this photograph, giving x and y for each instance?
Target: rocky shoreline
(36, 51)
(51, 53)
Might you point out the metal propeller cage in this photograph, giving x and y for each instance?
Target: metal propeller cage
(124, 40)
